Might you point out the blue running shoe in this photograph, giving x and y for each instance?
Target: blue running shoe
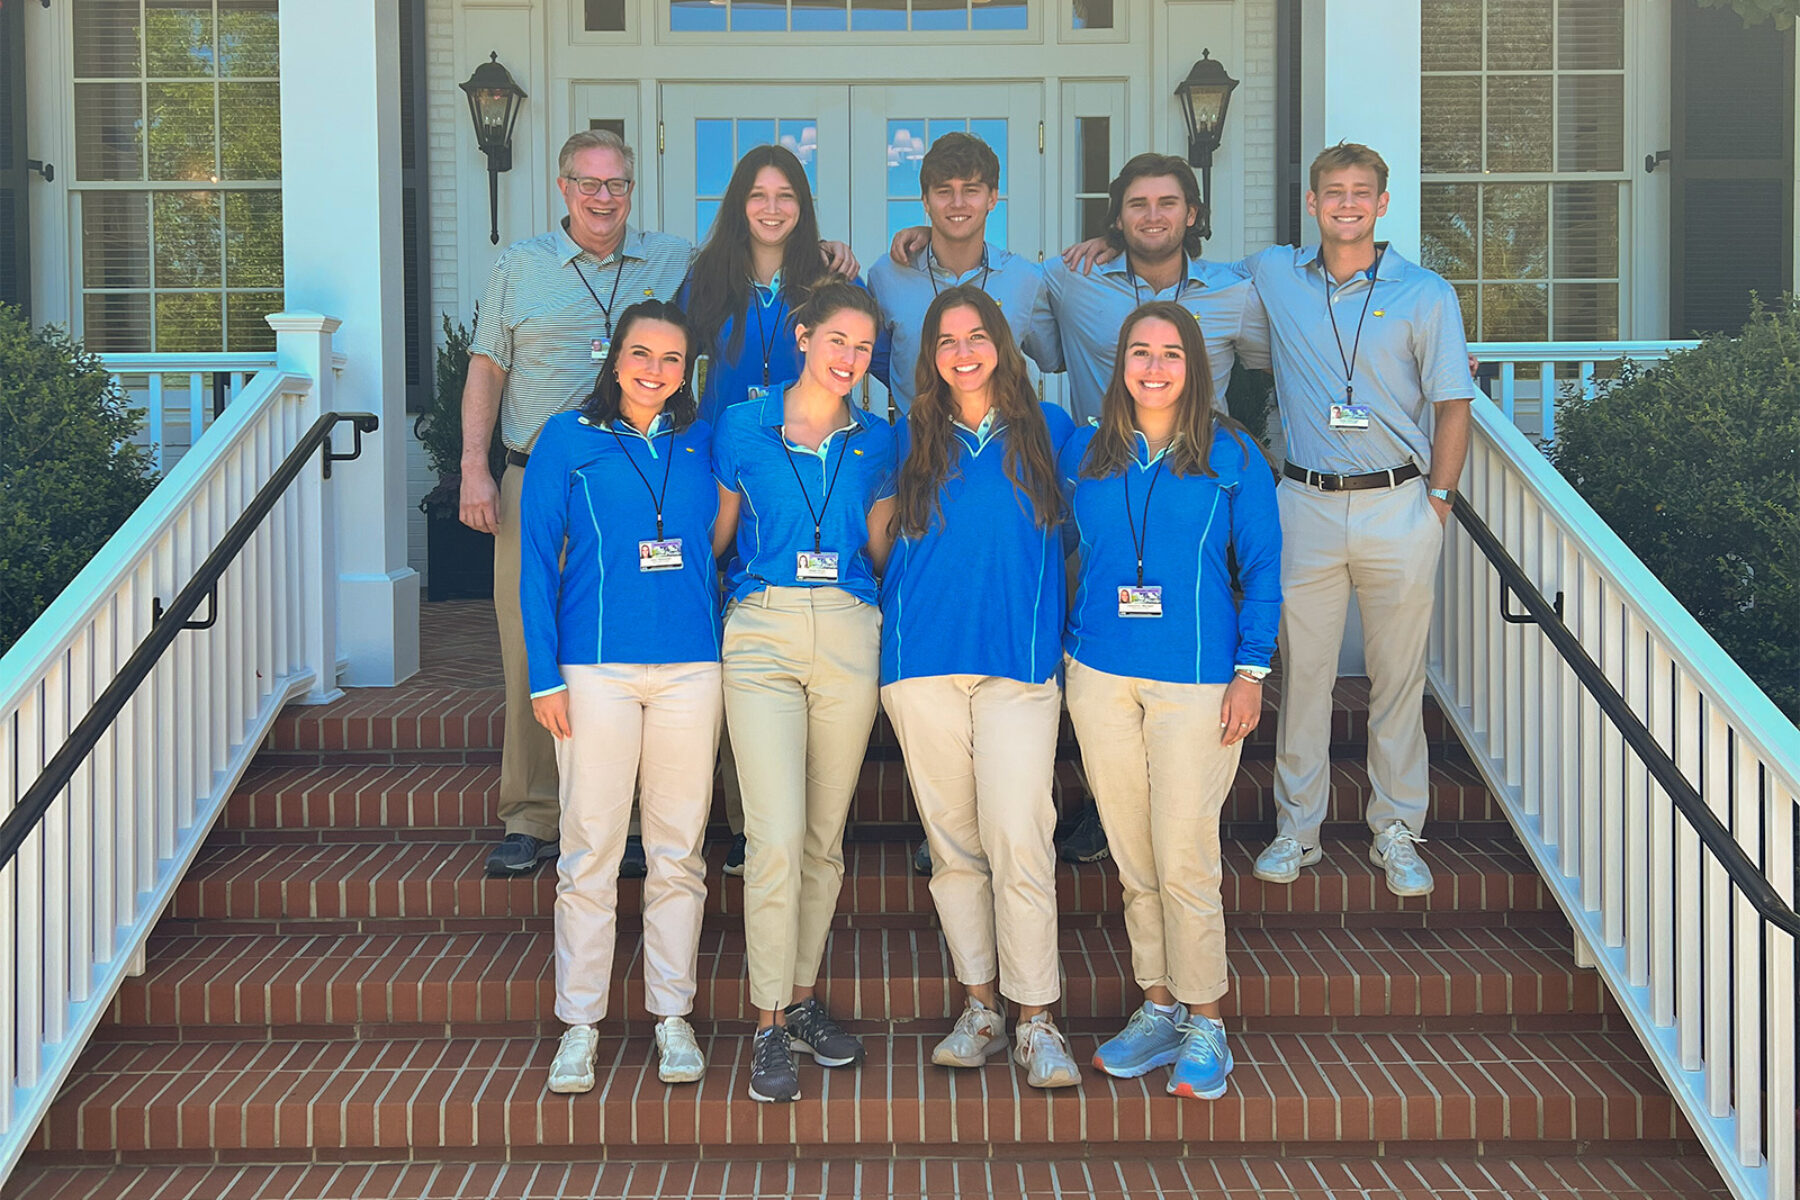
(1149, 1040)
(1205, 1061)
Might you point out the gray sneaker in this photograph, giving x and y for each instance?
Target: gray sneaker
(1395, 851)
(1281, 860)
(811, 1029)
(980, 1033)
(1044, 1053)
(773, 1078)
(520, 853)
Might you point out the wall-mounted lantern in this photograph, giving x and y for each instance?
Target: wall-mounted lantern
(494, 103)
(1205, 96)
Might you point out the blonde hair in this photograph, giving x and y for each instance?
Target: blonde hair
(1348, 154)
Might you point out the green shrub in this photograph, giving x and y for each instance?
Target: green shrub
(439, 426)
(1696, 464)
(69, 474)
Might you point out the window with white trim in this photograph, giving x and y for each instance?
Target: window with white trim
(1523, 158)
(838, 16)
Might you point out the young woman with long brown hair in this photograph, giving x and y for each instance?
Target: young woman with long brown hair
(972, 608)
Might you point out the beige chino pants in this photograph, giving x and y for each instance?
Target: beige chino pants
(801, 672)
(981, 757)
(1160, 778)
(528, 758)
(1384, 544)
(657, 726)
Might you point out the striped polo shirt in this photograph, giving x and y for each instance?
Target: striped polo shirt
(539, 320)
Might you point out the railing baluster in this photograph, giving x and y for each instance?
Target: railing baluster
(1573, 741)
(1660, 719)
(1693, 938)
(1636, 813)
(108, 791)
(198, 395)
(1521, 538)
(1746, 992)
(12, 777)
(78, 819)
(1547, 401)
(1779, 1033)
(158, 422)
(27, 931)
(1509, 390)
(1717, 790)
(1593, 743)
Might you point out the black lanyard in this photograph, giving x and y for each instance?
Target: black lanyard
(1137, 295)
(931, 275)
(767, 338)
(818, 514)
(655, 497)
(605, 309)
(1355, 342)
(1138, 543)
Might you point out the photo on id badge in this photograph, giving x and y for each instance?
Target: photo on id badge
(1144, 600)
(816, 566)
(659, 555)
(1349, 416)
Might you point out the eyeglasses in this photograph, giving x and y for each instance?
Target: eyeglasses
(589, 186)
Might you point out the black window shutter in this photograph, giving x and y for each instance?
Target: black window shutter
(414, 201)
(15, 217)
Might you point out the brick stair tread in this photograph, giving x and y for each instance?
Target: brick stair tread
(360, 879)
(879, 975)
(462, 798)
(1588, 1177)
(435, 1093)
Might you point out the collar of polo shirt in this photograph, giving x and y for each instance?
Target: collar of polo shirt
(1386, 265)
(774, 411)
(631, 247)
(1200, 271)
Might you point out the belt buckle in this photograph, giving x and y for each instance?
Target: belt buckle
(1329, 483)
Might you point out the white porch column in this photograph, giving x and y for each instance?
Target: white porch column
(1363, 86)
(340, 171)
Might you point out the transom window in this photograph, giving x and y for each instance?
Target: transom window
(177, 173)
(828, 16)
(1523, 152)
(907, 141)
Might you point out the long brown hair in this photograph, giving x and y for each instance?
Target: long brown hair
(1115, 443)
(1029, 462)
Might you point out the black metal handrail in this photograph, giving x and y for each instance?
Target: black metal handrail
(1547, 616)
(169, 624)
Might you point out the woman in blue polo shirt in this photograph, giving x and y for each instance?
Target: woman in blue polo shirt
(972, 613)
(622, 639)
(1165, 669)
(805, 487)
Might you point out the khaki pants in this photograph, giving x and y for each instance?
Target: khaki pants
(801, 670)
(1384, 543)
(1160, 778)
(981, 755)
(657, 725)
(528, 756)
(728, 780)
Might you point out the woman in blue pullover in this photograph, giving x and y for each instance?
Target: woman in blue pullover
(1165, 670)
(972, 614)
(805, 481)
(623, 643)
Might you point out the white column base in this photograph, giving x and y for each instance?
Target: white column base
(378, 627)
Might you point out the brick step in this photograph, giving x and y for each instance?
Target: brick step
(1289, 1176)
(1354, 979)
(436, 1096)
(459, 722)
(457, 802)
(371, 884)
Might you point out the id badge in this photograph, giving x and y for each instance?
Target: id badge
(816, 566)
(659, 555)
(1141, 601)
(597, 350)
(1350, 416)
(755, 394)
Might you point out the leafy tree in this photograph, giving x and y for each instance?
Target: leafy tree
(69, 473)
(1696, 464)
(1755, 12)
(439, 426)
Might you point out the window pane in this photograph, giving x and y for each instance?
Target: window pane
(714, 155)
(1001, 14)
(181, 131)
(705, 213)
(940, 14)
(1447, 228)
(1093, 14)
(992, 130)
(250, 126)
(1590, 123)
(825, 15)
(106, 39)
(189, 322)
(996, 224)
(1587, 312)
(1451, 138)
(905, 147)
(1590, 35)
(1587, 230)
(189, 240)
(178, 39)
(249, 38)
(1466, 294)
(1093, 217)
(750, 133)
(1515, 231)
(902, 214)
(1518, 35)
(245, 329)
(696, 16)
(878, 14)
(1517, 312)
(1451, 35)
(109, 131)
(1518, 134)
(253, 239)
(759, 16)
(1093, 140)
(802, 137)
(116, 323)
(604, 16)
(115, 240)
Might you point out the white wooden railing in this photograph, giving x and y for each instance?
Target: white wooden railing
(79, 899)
(176, 392)
(1529, 377)
(1704, 980)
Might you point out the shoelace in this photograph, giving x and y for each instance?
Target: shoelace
(1280, 839)
(575, 1040)
(1043, 1029)
(973, 1020)
(1403, 839)
(1212, 1038)
(768, 1046)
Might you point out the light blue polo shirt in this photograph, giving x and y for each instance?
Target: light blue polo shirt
(980, 592)
(1411, 354)
(904, 293)
(1185, 524)
(784, 485)
(1088, 311)
(589, 500)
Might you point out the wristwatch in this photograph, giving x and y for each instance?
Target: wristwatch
(1253, 674)
(1447, 495)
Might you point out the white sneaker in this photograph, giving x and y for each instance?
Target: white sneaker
(1395, 851)
(573, 1068)
(1044, 1053)
(980, 1033)
(678, 1055)
(1281, 860)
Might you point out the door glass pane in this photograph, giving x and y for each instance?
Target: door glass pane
(996, 226)
(714, 155)
(720, 141)
(991, 130)
(819, 15)
(604, 16)
(696, 16)
(940, 14)
(753, 132)
(705, 213)
(802, 137)
(759, 16)
(1000, 14)
(1093, 14)
(905, 148)
(878, 14)
(903, 214)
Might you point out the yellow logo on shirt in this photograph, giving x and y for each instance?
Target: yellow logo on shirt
(858, 453)
(1380, 312)
(649, 291)
(690, 449)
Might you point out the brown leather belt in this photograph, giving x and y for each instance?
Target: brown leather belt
(516, 459)
(1393, 477)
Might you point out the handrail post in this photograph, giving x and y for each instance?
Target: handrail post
(303, 347)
